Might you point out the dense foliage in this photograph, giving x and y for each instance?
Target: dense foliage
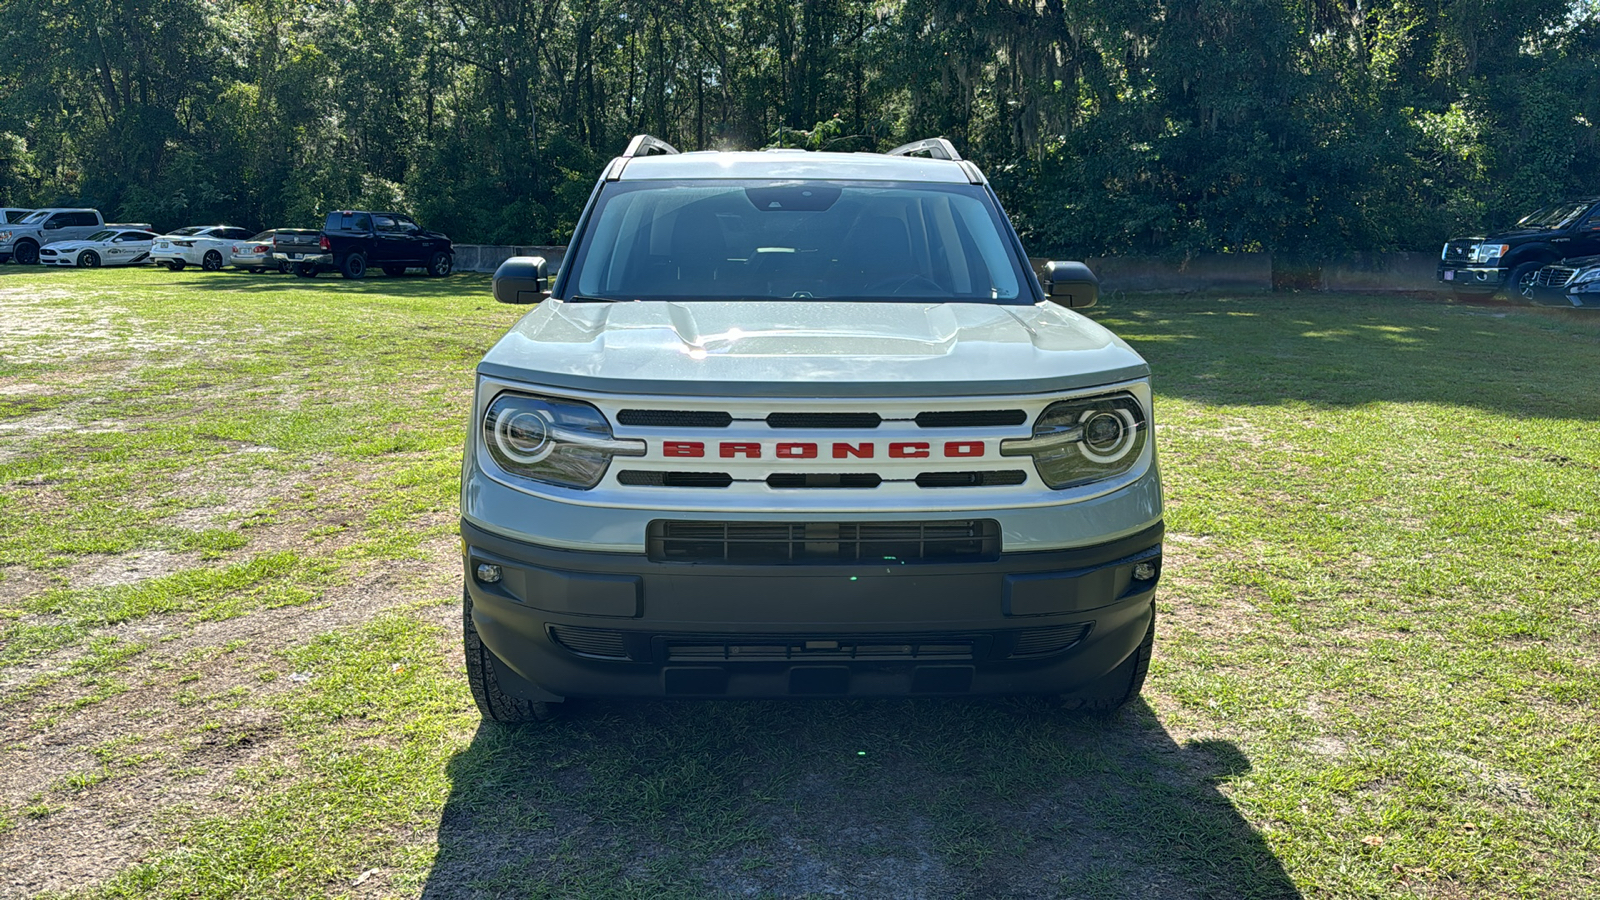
(1309, 126)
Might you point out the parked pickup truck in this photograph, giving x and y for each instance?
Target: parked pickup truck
(302, 251)
(805, 424)
(390, 241)
(22, 241)
(1507, 260)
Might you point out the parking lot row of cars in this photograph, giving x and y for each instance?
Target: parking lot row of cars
(352, 242)
(1550, 256)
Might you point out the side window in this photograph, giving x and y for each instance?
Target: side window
(334, 222)
(361, 222)
(405, 223)
(85, 219)
(386, 224)
(59, 220)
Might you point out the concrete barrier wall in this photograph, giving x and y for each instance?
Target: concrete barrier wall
(1207, 271)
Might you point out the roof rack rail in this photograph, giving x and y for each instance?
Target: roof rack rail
(644, 145)
(938, 148)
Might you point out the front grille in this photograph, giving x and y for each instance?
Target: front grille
(776, 647)
(971, 479)
(47, 253)
(824, 420)
(823, 480)
(638, 478)
(594, 642)
(673, 418)
(976, 418)
(1456, 251)
(1553, 276)
(1044, 641)
(822, 543)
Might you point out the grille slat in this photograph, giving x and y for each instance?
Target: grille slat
(647, 478)
(788, 480)
(971, 479)
(824, 420)
(674, 418)
(823, 543)
(976, 418)
(1553, 276)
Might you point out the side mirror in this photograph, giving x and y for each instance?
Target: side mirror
(1070, 284)
(521, 279)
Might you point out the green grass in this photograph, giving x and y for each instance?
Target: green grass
(1374, 670)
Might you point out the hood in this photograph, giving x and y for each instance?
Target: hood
(1518, 235)
(789, 348)
(58, 246)
(1580, 262)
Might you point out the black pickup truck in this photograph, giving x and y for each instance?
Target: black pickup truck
(358, 240)
(1508, 259)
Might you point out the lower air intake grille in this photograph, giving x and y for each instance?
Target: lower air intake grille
(822, 543)
(590, 641)
(1044, 641)
(976, 418)
(823, 480)
(773, 647)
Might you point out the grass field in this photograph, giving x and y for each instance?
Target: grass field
(230, 661)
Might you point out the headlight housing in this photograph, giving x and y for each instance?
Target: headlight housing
(550, 440)
(1081, 441)
(1488, 252)
(1587, 275)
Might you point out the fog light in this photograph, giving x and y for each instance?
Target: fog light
(1141, 572)
(488, 574)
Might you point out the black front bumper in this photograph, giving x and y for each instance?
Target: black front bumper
(570, 623)
(1469, 278)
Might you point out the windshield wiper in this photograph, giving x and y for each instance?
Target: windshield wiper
(579, 298)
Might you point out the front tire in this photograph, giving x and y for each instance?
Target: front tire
(284, 268)
(176, 265)
(493, 703)
(440, 264)
(212, 261)
(306, 270)
(26, 254)
(353, 265)
(1519, 281)
(89, 259)
(1121, 685)
(394, 271)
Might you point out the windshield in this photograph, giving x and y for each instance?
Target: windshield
(793, 240)
(1559, 215)
(192, 229)
(101, 236)
(263, 236)
(39, 216)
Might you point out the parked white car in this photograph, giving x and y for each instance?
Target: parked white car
(111, 247)
(255, 254)
(206, 246)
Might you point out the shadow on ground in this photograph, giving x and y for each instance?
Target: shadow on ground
(860, 799)
(1344, 350)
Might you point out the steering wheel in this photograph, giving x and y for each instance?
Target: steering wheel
(897, 284)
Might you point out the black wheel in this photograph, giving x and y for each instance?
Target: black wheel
(440, 264)
(27, 253)
(1122, 684)
(212, 261)
(176, 265)
(394, 271)
(353, 266)
(494, 704)
(306, 270)
(284, 268)
(89, 259)
(1519, 281)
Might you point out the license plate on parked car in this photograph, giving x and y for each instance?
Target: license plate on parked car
(294, 256)
(1449, 275)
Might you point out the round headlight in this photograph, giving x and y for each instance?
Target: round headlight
(1107, 434)
(525, 436)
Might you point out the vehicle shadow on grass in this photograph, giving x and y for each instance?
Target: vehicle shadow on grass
(1343, 351)
(855, 798)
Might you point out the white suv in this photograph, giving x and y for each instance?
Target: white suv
(206, 246)
(806, 424)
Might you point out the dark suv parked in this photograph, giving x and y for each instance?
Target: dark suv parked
(390, 241)
(1509, 259)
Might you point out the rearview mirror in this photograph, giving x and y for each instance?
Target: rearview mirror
(1070, 284)
(521, 279)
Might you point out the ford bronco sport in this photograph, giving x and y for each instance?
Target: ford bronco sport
(805, 424)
